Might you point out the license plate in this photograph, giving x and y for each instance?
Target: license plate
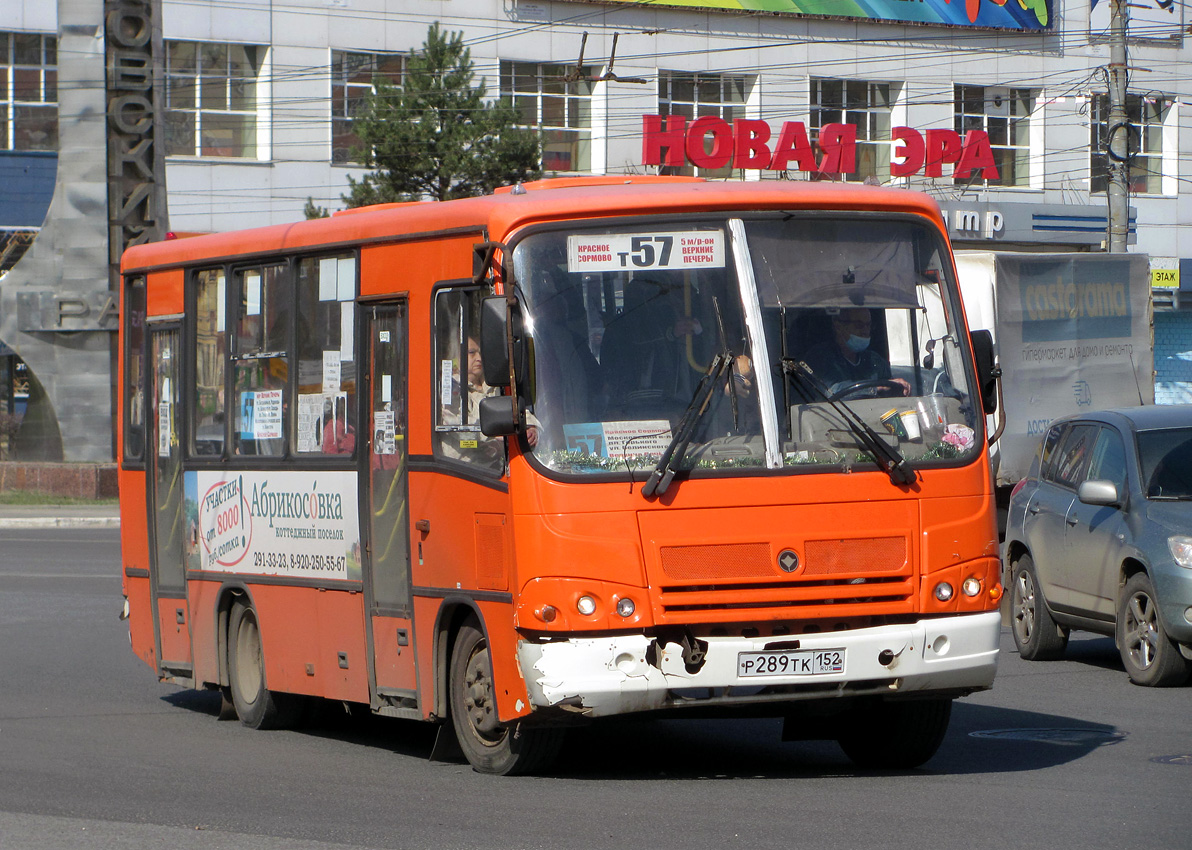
(791, 662)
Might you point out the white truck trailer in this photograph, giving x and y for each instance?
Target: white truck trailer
(1073, 332)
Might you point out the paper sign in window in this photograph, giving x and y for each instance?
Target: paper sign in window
(331, 372)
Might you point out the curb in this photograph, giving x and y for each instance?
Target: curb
(60, 522)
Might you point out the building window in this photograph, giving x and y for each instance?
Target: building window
(29, 108)
(696, 95)
(352, 76)
(560, 110)
(1005, 114)
(867, 106)
(212, 98)
(1147, 114)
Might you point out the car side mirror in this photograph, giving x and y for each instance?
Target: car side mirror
(494, 342)
(1099, 491)
(987, 371)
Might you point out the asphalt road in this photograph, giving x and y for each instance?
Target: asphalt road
(95, 753)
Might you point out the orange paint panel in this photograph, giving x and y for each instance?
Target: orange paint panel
(430, 674)
(175, 635)
(303, 626)
(600, 546)
(513, 699)
(140, 620)
(395, 664)
(204, 625)
(450, 506)
(957, 528)
(163, 292)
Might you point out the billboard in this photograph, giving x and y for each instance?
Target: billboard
(990, 14)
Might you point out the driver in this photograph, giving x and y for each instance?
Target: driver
(847, 358)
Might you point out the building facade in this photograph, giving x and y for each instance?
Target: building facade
(999, 110)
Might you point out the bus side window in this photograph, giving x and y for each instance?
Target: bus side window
(209, 408)
(459, 382)
(325, 345)
(260, 375)
(134, 369)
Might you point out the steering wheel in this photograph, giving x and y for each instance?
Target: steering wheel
(878, 388)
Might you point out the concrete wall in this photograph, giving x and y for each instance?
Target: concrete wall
(69, 258)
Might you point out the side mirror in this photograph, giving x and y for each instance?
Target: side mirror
(987, 372)
(1099, 492)
(494, 343)
(498, 416)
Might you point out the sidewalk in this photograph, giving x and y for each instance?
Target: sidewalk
(60, 516)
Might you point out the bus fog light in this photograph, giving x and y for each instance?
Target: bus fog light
(586, 605)
(625, 607)
(971, 587)
(547, 613)
(943, 591)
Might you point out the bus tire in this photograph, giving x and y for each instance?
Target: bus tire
(256, 706)
(489, 745)
(895, 735)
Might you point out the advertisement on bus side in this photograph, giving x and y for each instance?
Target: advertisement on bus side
(295, 524)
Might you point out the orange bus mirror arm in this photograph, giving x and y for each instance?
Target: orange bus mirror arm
(484, 260)
(1001, 408)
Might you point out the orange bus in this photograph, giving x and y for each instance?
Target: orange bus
(577, 449)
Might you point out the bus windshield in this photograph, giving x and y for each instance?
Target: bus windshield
(788, 341)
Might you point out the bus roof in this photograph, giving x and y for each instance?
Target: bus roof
(509, 208)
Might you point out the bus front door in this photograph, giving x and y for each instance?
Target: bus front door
(386, 522)
(168, 526)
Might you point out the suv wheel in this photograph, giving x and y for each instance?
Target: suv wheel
(1037, 636)
(1150, 656)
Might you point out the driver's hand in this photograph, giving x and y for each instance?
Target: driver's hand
(906, 387)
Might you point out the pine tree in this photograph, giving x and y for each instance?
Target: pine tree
(437, 136)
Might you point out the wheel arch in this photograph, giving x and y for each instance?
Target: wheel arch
(229, 593)
(452, 614)
(1131, 567)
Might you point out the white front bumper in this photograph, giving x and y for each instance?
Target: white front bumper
(606, 676)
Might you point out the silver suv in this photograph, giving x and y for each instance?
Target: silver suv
(1099, 537)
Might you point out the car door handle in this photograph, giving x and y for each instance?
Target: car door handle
(1033, 507)
(1071, 519)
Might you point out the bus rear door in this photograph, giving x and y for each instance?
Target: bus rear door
(169, 524)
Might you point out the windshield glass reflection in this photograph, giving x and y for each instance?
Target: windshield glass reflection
(625, 322)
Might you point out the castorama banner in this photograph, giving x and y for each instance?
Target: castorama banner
(991, 14)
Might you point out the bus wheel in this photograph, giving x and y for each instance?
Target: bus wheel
(895, 735)
(256, 706)
(489, 745)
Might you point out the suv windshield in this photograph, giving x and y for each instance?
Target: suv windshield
(1165, 458)
(818, 334)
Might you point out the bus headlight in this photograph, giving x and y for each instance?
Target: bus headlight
(586, 605)
(971, 586)
(943, 591)
(625, 607)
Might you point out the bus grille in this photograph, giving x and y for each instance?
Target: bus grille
(835, 578)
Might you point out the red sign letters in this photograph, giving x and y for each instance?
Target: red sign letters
(711, 142)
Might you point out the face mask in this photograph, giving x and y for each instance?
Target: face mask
(857, 344)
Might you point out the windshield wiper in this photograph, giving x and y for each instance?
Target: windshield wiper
(664, 472)
(886, 456)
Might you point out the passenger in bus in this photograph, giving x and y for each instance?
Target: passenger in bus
(846, 358)
(643, 353)
(339, 437)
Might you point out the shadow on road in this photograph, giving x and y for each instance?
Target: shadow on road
(981, 740)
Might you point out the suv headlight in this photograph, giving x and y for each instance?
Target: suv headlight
(1181, 549)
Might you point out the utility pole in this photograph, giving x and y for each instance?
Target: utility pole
(1119, 129)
